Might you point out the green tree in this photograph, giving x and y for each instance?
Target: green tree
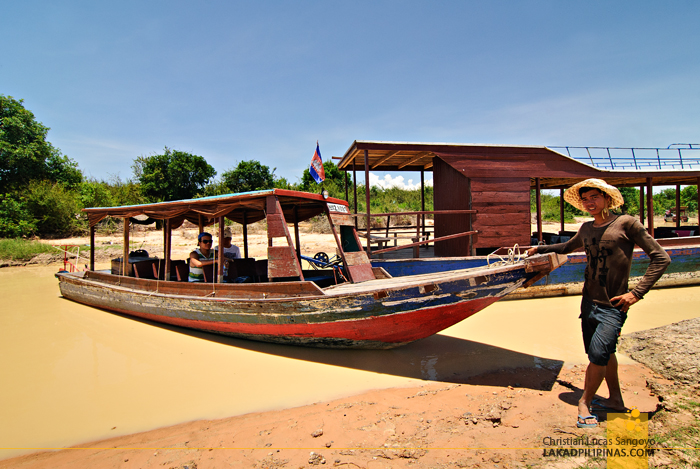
(248, 176)
(54, 207)
(689, 198)
(15, 219)
(25, 155)
(173, 175)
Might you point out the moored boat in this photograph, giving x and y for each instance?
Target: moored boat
(353, 305)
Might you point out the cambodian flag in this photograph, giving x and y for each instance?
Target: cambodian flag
(316, 168)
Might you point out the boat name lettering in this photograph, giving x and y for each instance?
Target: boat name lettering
(337, 208)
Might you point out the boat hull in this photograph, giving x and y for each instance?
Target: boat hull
(376, 314)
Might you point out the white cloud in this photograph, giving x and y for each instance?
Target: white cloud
(388, 181)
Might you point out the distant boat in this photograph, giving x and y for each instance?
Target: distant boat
(349, 305)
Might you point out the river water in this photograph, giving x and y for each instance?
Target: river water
(72, 374)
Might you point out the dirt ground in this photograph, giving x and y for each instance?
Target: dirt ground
(496, 420)
(500, 420)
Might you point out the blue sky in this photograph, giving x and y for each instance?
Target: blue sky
(265, 80)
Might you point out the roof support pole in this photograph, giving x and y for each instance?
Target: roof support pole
(245, 235)
(296, 233)
(678, 206)
(167, 248)
(369, 248)
(200, 223)
(422, 200)
(650, 206)
(561, 210)
(92, 247)
(538, 202)
(345, 179)
(220, 254)
(125, 249)
(354, 188)
(641, 205)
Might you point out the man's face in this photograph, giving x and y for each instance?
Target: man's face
(205, 243)
(594, 201)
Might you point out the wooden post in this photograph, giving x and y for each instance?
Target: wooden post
(538, 203)
(345, 179)
(422, 200)
(125, 250)
(296, 233)
(220, 269)
(200, 224)
(167, 227)
(678, 206)
(650, 206)
(92, 248)
(354, 188)
(369, 247)
(561, 209)
(641, 205)
(698, 191)
(245, 235)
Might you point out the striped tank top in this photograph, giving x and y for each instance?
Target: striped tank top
(196, 273)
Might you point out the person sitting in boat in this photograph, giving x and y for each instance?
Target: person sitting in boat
(231, 251)
(203, 255)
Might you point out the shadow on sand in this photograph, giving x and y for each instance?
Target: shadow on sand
(439, 358)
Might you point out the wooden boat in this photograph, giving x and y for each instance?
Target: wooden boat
(358, 307)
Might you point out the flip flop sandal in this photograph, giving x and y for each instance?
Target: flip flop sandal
(583, 424)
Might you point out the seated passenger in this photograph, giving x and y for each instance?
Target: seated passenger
(203, 255)
(230, 251)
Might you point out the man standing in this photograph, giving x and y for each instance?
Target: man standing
(609, 241)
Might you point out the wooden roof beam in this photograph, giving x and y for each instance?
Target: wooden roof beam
(384, 158)
(414, 159)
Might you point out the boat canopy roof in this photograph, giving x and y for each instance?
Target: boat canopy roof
(246, 207)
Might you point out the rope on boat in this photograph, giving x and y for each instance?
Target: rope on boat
(514, 256)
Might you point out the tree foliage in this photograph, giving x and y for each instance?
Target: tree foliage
(248, 176)
(25, 154)
(173, 175)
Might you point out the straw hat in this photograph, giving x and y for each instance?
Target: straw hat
(227, 233)
(574, 198)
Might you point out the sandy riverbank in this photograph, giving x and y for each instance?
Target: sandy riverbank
(497, 419)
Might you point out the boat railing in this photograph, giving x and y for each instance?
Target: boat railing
(421, 236)
(675, 156)
(70, 264)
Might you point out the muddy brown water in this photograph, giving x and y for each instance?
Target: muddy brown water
(72, 374)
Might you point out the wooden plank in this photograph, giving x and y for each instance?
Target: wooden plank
(500, 184)
(361, 272)
(491, 197)
(276, 226)
(355, 258)
(232, 290)
(340, 219)
(282, 262)
(499, 220)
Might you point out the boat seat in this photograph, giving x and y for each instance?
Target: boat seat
(182, 270)
(245, 267)
(145, 269)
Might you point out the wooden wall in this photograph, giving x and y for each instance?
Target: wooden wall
(503, 203)
(504, 211)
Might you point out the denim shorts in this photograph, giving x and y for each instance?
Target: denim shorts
(601, 326)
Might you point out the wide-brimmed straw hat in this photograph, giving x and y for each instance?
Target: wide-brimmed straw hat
(574, 198)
